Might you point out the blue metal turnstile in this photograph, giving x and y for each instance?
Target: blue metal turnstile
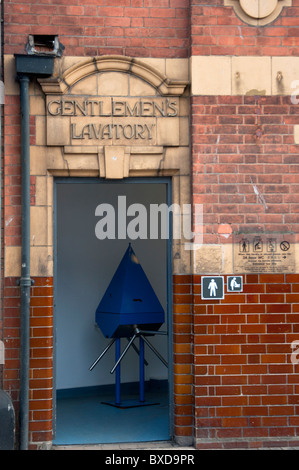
(129, 309)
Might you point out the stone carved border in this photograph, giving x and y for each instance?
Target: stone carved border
(95, 161)
(243, 9)
(61, 85)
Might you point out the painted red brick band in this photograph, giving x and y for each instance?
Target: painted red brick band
(149, 28)
(217, 30)
(183, 355)
(41, 354)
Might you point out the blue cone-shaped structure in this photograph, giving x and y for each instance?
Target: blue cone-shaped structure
(129, 301)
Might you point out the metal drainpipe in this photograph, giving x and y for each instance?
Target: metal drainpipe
(25, 281)
(27, 66)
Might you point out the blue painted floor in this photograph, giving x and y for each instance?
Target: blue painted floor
(86, 420)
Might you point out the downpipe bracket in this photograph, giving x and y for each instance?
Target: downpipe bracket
(25, 282)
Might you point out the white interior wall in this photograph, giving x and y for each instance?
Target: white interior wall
(84, 268)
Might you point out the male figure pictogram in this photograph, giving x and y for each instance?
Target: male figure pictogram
(212, 287)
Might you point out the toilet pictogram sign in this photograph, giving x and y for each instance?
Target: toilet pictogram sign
(212, 287)
(234, 283)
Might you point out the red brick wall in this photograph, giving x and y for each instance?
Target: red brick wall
(2, 247)
(216, 30)
(183, 355)
(246, 388)
(146, 28)
(11, 335)
(12, 172)
(149, 28)
(41, 354)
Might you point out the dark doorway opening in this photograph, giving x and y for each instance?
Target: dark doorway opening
(84, 266)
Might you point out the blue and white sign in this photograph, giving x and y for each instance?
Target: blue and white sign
(234, 283)
(212, 287)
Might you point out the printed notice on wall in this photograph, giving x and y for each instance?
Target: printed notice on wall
(264, 253)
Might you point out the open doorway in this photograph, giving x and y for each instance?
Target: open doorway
(84, 267)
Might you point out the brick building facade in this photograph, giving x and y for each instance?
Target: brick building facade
(232, 148)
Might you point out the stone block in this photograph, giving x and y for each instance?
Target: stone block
(251, 75)
(210, 75)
